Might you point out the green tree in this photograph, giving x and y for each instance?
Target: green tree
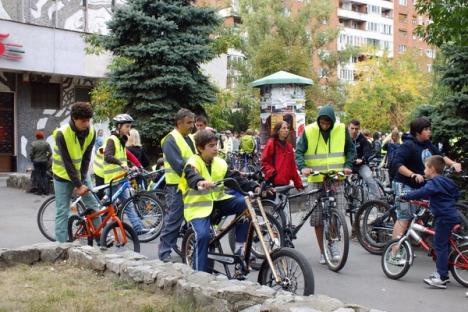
(387, 91)
(164, 43)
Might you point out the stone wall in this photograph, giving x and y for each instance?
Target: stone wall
(213, 293)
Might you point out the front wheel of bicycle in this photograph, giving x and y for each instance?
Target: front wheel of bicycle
(375, 226)
(397, 258)
(112, 238)
(335, 240)
(294, 272)
(150, 212)
(77, 230)
(458, 264)
(46, 216)
(188, 249)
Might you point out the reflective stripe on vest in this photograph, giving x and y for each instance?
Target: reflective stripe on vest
(74, 148)
(321, 156)
(113, 170)
(186, 152)
(199, 204)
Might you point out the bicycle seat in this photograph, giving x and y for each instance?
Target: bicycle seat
(284, 189)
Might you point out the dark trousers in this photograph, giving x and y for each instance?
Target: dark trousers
(39, 177)
(98, 182)
(441, 246)
(172, 220)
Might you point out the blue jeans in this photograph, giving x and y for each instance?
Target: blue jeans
(366, 175)
(63, 196)
(202, 229)
(172, 221)
(130, 212)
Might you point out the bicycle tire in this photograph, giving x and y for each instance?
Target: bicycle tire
(188, 248)
(150, 211)
(374, 238)
(463, 214)
(280, 258)
(276, 211)
(46, 217)
(76, 225)
(258, 252)
(407, 258)
(107, 241)
(337, 218)
(457, 262)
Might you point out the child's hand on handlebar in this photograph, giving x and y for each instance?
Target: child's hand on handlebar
(82, 190)
(201, 185)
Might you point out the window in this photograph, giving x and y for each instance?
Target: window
(82, 94)
(346, 74)
(403, 33)
(45, 95)
(387, 29)
(373, 42)
(374, 27)
(429, 53)
(373, 9)
(414, 20)
(402, 48)
(403, 18)
(322, 72)
(403, 2)
(429, 68)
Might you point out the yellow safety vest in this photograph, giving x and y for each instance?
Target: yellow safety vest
(186, 152)
(199, 204)
(112, 170)
(74, 149)
(98, 165)
(247, 143)
(321, 156)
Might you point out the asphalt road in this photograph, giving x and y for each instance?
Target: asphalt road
(361, 281)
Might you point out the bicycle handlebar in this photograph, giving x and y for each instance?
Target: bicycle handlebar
(329, 174)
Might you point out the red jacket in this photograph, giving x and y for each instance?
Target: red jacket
(279, 164)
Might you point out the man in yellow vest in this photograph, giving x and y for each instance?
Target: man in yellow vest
(115, 163)
(71, 157)
(325, 145)
(177, 147)
(201, 196)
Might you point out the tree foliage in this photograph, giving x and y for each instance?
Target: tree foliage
(164, 43)
(387, 91)
(449, 21)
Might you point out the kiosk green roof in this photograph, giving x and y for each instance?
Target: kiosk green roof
(281, 77)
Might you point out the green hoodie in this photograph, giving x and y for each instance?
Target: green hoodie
(301, 146)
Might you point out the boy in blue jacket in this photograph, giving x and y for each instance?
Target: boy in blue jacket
(443, 194)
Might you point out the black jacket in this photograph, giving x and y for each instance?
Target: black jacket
(363, 148)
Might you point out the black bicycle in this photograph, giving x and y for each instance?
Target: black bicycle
(282, 268)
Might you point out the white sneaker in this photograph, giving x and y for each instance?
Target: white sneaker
(334, 251)
(322, 259)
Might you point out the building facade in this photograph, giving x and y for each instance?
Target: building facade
(44, 68)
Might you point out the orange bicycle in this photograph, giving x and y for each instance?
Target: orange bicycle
(112, 232)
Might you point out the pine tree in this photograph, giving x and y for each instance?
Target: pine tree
(164, 43)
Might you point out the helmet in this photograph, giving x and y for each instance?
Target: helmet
(122, 119)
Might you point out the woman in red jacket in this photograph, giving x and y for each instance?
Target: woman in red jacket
(278, 162)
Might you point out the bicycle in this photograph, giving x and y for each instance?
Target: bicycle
(111, 232)
(282, 268)
(458, 256)
(148, 208)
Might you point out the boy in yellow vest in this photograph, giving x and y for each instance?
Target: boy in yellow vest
(201, 195)
(325, 145)
(71, 157)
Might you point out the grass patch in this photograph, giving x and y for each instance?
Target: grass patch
(61, 287)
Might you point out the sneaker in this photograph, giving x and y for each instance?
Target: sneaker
(143, 232)
(335, 253)
(322, 259)
(167, 259)
(435, 281)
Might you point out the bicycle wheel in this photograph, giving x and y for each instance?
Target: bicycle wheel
(149, 210)
(458, 265)
(294, 272)
(375, 226)
(257, 249)
(463, 214)
(178, 248)
(335, 240)
(46, 216)
(275, 211)
(397, 266)
(188, 248)
(77, 230)
(112, 238)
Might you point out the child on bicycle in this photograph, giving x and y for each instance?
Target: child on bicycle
(201, 196)
(443, 194)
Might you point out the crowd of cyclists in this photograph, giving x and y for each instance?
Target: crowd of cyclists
(197, 158)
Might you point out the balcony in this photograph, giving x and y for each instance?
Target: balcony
(348, 14)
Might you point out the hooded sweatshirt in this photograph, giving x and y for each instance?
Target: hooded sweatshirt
(302, 144)
(412, 154)
(443, 194)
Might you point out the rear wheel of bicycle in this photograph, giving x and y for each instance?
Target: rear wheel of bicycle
(188, 249)
(112, 238)
(46, 217)
(463, 214)
(293, 270)
(275, 211)
(178, 248)
(458, 265)
(396, 259)
(77, 230)
(150, 211)
(375, 226)
(274, 243)
(336, 240)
